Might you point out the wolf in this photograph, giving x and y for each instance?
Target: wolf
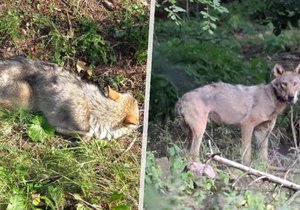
(253, 108)
(70, 105)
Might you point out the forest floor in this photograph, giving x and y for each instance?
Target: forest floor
(239, 52)
(104, 42)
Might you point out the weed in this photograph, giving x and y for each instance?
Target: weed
(117, 81)
(39, 129)
(153, 172)
(132, 31)
(183, 191)
(91, 44)
(66, 38)
(36, 125)
(86, 40)
(10, 23)
(286, 41)
(59, 174)
(163, 97)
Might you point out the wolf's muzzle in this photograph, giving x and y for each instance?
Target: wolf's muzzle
(290, 98)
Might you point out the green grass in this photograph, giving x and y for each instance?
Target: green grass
(10, 26)
(43, 170)
(59, 173)
(65, 38)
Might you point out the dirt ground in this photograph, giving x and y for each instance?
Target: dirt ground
(65, 13)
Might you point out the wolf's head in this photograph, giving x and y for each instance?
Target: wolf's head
(286, 84)
(129, 105)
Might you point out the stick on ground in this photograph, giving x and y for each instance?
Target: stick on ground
(270, 177)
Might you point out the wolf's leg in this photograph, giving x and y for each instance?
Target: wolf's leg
(261, 134)
(194, 148)
(197, 124)
(247, 131)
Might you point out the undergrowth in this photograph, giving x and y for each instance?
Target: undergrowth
(240, 51)
(181, 190)
(169, 185)
(57, 174)
(66, 37)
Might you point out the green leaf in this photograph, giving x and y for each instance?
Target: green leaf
(122, 207)
(177, 9)
(117, 196)
(57, 195)
(16, 201)
(216, 2)
(77, 197)
(48, 202)
(39, 129)
(36, 201)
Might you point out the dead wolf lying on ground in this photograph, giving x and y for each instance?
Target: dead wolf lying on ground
(253, 108)
(69, 104)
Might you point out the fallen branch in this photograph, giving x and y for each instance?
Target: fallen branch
(255, 172)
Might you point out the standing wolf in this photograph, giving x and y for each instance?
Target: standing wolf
(69, 104)
(253, 108)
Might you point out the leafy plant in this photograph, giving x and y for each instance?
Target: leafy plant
(181, 190)
(208, 13)
(210, 20)
(10, 23)
(173, 11)
(163, 97)
(91, 44)
(39, 129)
(280, 13)
(86, 41)
(286, 41)
(153, 172)
(16, 201)
(132, 31)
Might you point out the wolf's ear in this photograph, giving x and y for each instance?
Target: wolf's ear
(278, 70)
(131, 119)
(296, 70)
(112, 94)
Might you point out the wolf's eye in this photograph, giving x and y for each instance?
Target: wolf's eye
(284, 84)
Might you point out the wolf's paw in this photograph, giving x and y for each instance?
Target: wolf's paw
(199, 169)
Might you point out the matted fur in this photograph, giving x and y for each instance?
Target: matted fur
(70, 105)
(253, 108)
